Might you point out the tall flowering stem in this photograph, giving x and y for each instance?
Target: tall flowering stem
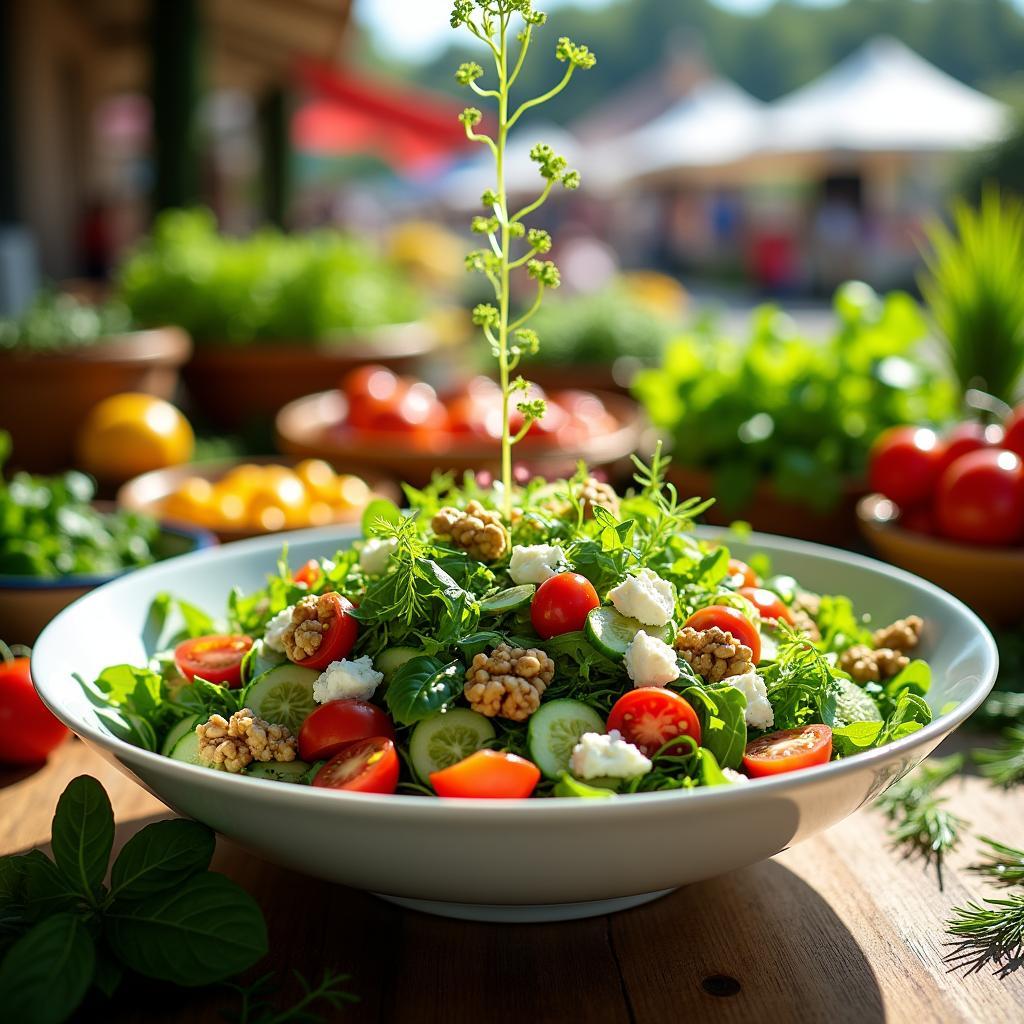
(512, 244)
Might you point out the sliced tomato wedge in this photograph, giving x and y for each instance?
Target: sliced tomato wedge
(741, 575)
(788, 751)
(731, 621)
(308, 574)
(216, 658)
(769, 605)
(487, 774)
(366, 766)
(336, 724)
(650, 716)
(339, 635)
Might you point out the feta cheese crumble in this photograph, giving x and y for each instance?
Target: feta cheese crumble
(275, 628)
(645, 597)
(759, 713)
(535, 563)
(734, 776)
(347, 679)
(650, 661)
(373, 559)
(607, 757)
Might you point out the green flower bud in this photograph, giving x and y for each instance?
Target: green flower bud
(468, 72)
(485, 315)
(527, 342)
(489, 198)
(544, 272)
(571, 180)
(516, 229)
(540, 241)
(470, 117)
(484, 225)
(579, 56)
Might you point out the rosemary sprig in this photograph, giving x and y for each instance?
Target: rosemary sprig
(1004, 866)
(256, 1006)
(1004, 766)
(992, 930)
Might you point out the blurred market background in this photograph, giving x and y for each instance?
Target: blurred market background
(233, 294)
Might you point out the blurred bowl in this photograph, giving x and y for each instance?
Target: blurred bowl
(314, 427)
(147, 493)
(990, 580)
(28, 603)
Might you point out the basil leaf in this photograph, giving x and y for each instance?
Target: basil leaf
(422, 687)
(47, 972)
(198, 933)
(108, 973)
(916, 678)
(159, 857)
(856, 738)
(722, 711)
(83, 834)
(138, 690)
(46, 890)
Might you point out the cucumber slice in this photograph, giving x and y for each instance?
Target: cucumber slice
(187, 750)
(259, 659)
(179, 729)
(284, 695)
(391, 660)
(555, 728)
(854, 705)
(612, 632)
(508, 600)
(279, 771)
(447, 738)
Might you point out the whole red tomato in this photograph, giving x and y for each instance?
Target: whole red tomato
(28, 731)
(980, 498)
(967, 437)
(904, 464)
(562, 604)
(1014, 438)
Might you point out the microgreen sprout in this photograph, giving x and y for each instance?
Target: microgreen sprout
(511, 244)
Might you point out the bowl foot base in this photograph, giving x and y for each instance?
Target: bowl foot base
(530, 914)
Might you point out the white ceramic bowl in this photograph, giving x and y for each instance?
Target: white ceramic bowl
(512, 861)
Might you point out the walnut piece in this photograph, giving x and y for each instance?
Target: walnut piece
(902, 635)
(478, 531)
(805, 601)
(865, 665)
(304, 634)
(713, 653)
(235, 743)
(594, 492)
(508, 682)
(803, 623)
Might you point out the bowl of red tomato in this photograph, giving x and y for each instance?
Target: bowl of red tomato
(950, 507)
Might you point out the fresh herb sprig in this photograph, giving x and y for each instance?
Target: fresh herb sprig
(1004, 866)
(1004, 765)
(256, 1006)
(491, 22)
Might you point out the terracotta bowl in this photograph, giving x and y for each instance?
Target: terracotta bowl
(28, 603)
(314, 427)
(146, 493)
(990, 580)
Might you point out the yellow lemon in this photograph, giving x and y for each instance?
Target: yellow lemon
(132, 433)
(351, 492)
(242, 481)
(318, 478)
(192, 502)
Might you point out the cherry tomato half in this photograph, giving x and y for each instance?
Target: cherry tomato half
(788, 750)
(1013, 440)
(731, 621)
(28, 731)
(980, 498)
(904, 464)
(650, 716)
(338, 723)
(487, 774)
(308, 574)
(562, 604)
(741, 575)
(339, 633)
(367, 766)
(216, 658)
(769, 605)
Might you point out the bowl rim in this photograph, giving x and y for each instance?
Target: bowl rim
(385, 805)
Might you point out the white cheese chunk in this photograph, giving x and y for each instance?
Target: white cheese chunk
(645, 597)
(759, 713)
(375, 554)
(343, 680)
(607, 757)
(650, 661)
(535, 563)
(734, 776)
(275, 629)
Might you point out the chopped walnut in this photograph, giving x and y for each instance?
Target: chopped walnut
(902, 635)
(594, 492)
(478, 531)
(803, 623)
(304, 634)
(805, 601)
(713, 653)
(508, 682)
(865, 665)
(233, 744)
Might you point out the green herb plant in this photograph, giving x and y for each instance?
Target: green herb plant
(56, 322)
(1004, 765)
(491, 22)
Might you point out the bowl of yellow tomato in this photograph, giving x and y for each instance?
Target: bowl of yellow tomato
(239, 498)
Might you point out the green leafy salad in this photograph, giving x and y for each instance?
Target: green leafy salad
(593, 647)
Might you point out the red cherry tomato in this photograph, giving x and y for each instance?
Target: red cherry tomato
(967, 437)
(339, 633)
(788, 751)
(487, 774)
(308, 574)
(28, 731)
(371, 380)
(769, 605)
(980, 498)
(650, 716)
(338, 723)
(217, 659)
(732, 621)
(374, 396)
(366, 766)
(1013, 440)
(741, 575)
(919, 519)
(562, 604)
(904, 464)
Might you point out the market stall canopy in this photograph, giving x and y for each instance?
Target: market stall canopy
(884, 98)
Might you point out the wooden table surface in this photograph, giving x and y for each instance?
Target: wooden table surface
(839, 928)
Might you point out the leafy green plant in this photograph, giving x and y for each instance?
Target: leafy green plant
(972, 286)
(292, 289)
(55, 322)
(491, 22)
(1004, 765)
(799, 413)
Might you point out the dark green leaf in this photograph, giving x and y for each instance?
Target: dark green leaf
(160, 856)
(203, 931)
(108, 973)
(723, 728)
(422, 687)
(46, 889)
(133, 729)
(83, 834)
(47, 972)
(915, 678)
